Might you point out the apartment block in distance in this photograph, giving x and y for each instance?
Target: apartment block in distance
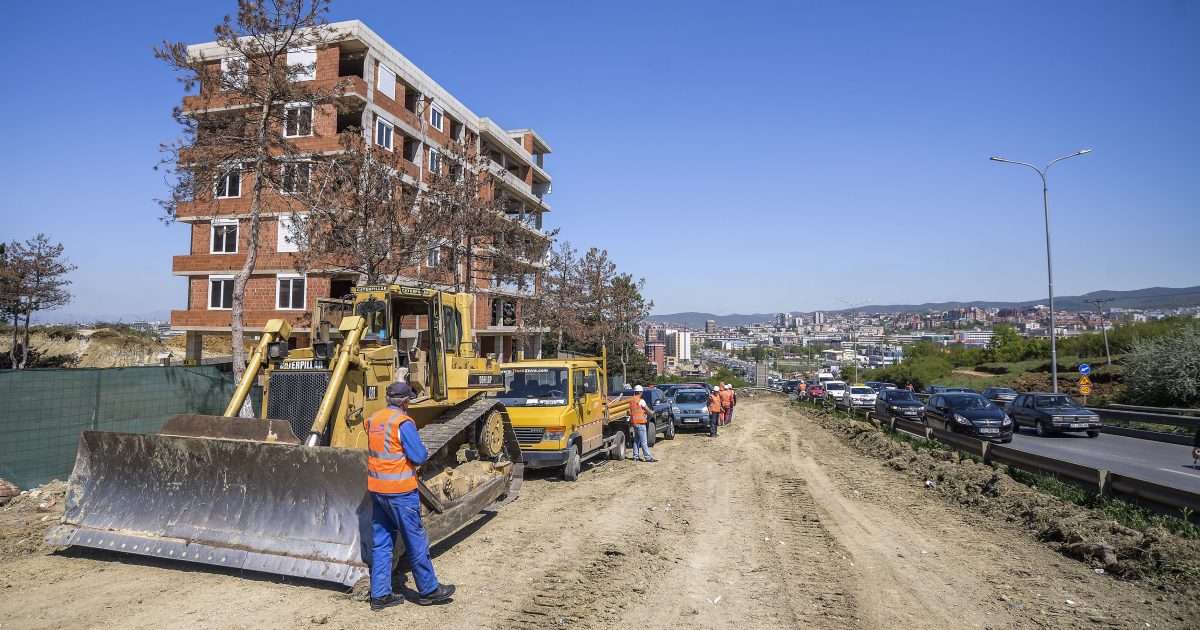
(385, 95)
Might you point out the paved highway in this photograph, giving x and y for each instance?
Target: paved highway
(1159, 462)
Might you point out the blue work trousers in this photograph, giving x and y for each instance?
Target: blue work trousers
(639, 442)
(392, 512)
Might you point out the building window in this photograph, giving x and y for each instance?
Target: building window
(504, 312)
(289, 295)
(283, 229)
(224, 238)
(435, 118)
(230, 184)
(297, 121)
(233, 71)
(435, 161)
(386, 82)
(435, 258)
(302, 62)
(220, 293)
(383, 133)
(295, 177)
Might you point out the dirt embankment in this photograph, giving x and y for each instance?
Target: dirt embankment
(778, 523)
(1166, 561)
(92, 348)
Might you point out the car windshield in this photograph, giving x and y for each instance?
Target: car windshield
(835, 385)
(691, 396)
(968, 401)
(535, 386)
(1055, 400)
(861, 390)
(900, 395)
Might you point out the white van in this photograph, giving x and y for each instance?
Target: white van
(835, 390)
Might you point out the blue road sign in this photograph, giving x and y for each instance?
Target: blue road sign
(1085, 369)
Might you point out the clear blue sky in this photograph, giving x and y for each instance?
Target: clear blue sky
(796, 155)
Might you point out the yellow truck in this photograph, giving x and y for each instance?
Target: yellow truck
(561, 413)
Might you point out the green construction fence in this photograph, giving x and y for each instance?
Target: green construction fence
(42, 412)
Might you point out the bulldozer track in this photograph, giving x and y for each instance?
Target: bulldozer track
(453, 423)
(815, 600)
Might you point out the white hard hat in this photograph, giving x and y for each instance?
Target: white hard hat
(637, 388)
(728, 386)
(716, 388)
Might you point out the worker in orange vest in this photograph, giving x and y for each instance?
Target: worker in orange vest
(394, 451)
(637, 415)
(726, 395)
(714, 411)
(728, 401)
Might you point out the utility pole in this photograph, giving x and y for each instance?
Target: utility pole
(1049, 269)
(1103, 327)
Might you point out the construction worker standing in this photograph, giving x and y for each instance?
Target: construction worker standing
(637, 415)
(732, 396)
(394, 451)
(714, 411)
(726, 396)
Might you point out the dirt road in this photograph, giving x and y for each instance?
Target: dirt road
(775, 524)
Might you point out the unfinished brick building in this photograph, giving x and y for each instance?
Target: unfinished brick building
(384, 95)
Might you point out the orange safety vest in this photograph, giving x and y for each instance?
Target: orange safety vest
(726, 398)
(388, 469)
(637, 415)
(714, 403)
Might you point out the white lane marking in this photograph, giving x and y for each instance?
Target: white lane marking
(1180, 472)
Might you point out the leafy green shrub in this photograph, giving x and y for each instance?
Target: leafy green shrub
(1165, 370)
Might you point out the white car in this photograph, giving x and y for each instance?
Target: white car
(836, 391)
(861, 396)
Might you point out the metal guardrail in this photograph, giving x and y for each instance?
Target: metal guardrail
(1122, 415)
(1157, 497)
(1167, 410)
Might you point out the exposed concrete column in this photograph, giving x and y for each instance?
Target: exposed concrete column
(193, 344)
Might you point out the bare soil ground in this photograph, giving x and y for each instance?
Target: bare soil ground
(777, 523)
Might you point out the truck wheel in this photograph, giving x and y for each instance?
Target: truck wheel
(1041, 429)
(651, 433)
(670, 433)
(617, 452)
(571, 468)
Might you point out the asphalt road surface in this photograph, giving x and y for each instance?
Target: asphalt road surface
(1158, 462)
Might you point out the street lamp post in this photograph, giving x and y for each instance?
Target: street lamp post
(1049, 268)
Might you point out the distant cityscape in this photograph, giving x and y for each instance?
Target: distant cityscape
(877, 339)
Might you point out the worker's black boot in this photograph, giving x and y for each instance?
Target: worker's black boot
(387, 601)
(443, 593)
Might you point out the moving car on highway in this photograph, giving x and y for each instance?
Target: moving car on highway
(1053, 413)
(1000, 395)
(836, 391)
(898, 403)
(815, 391)
(880, 386)
(859, 397)
(970, 414)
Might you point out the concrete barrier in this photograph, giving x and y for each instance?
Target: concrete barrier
(1091, 478)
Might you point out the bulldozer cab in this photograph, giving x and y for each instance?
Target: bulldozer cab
(424, 329)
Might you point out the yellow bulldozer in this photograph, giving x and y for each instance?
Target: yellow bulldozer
(285, 493)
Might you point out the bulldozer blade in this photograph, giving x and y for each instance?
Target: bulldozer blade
(227, 428)
(250, 505)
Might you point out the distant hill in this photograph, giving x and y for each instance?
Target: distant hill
(1151, 298)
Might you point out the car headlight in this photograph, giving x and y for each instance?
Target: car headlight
(675, 410)
(961, 420)
(1058, 419)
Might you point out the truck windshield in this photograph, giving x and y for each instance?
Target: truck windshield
(535, 386)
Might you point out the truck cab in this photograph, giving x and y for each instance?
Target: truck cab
(561, 413)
